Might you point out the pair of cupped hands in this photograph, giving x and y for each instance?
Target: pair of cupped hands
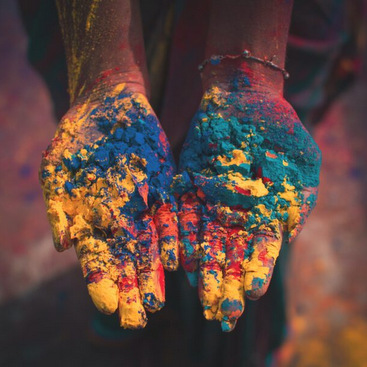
(246, 182)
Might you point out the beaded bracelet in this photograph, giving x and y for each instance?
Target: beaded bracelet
(246, 54)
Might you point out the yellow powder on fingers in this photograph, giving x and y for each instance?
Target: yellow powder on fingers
(104, 295)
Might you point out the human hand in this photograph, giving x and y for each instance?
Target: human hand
(106, 178)
(248, 179)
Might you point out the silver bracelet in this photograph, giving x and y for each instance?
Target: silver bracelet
(246, 54)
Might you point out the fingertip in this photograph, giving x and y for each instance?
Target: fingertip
(139, 321)
(228, 325)
(187, 256)
(192, 278)
(210, 313)
(169, 253)
(104, 294)
(59, 226)
(232, 308)
(152, 289)
(297, 217)
(61, 237)
(152, 303)
(210, 287)
(257, 283)
(255, 294)
(232, 303)
(259, 268)
(131, 311)
(61, 242)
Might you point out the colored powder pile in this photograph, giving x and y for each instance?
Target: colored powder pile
(109, 196)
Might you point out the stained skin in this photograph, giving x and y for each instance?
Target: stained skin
(106, 181)
(247, 181)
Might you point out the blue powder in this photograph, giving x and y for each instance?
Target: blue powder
(269, 127)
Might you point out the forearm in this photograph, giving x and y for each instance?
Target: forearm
(259, 26)
(103, 41)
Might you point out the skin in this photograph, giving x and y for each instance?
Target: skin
(259, 26)
(236, 209)
(102, 39)
(106, 175)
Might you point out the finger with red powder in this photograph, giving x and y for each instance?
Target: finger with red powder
(212, 263)
(232, 303)
(100, 274)
(59, 225)
(259, 267)
(166, 222)
(131, 310)
(149, 267)
(189, 225)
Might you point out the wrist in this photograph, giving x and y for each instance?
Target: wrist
(243, 74)
(107, 81)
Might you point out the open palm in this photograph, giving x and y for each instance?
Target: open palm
(106, 178)
(248, 179)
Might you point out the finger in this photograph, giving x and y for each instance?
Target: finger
(166, 223)
(297, 216)
(149, 267)
(59, 225)
(189, 226)
(232, 303)
(125, 249)
(228, 325)
(259, 267)
(212, 262)
(131, 310)
(95, 261)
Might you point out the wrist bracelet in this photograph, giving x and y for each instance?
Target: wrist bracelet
(246, 54)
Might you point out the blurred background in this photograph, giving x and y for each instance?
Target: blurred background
(46, 316)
